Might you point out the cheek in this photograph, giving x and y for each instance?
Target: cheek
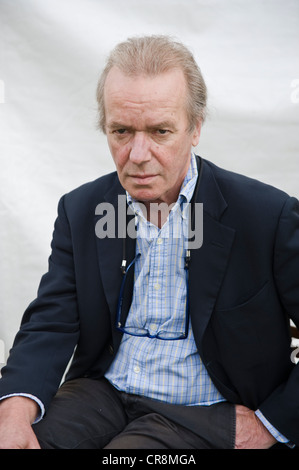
(119, 155)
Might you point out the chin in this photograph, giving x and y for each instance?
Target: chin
(143, 198)
(141, 194)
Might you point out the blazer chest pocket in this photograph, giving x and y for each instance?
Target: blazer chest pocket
(247, 306)
(241, 330)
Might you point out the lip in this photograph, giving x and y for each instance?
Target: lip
(143, 179)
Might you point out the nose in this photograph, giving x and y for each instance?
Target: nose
(140, 149)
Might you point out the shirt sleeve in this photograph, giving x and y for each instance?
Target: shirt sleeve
(27, 395)
(275, 433)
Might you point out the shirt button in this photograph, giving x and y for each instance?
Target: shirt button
(159, 241)
(136, 369)
(152, 328)
(157, 286)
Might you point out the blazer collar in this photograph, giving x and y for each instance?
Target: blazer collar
(110, 253)
(209, 262)
(209, 192)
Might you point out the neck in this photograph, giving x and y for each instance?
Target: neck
(156, 213)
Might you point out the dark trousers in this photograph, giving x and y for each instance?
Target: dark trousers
(92, 414)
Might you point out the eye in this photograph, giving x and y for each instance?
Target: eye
(161, 132)
(120, 131)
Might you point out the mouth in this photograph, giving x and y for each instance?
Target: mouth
(142, 179)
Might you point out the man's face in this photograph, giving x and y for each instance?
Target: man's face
(147, 132)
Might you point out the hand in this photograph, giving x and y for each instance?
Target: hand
(250, 431)
(16, 416)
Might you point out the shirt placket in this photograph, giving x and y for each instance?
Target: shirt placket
(157, 280)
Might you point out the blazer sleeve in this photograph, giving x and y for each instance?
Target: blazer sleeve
(282, 407)
(49, 329)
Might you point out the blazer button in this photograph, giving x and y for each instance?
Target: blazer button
(111, 349)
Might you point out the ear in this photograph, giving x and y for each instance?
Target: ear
(196, 133)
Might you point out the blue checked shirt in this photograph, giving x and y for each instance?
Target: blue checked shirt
(170, 371)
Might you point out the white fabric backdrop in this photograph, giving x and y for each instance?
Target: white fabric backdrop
(51, 56)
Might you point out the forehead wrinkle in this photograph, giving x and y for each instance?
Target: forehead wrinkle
(156, 117)
(129, 99)
(141, 104)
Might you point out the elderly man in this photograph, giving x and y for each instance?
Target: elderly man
(187, 345)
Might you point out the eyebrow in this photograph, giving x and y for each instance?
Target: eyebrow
(159, 125)
(164, 125)
(118, 125)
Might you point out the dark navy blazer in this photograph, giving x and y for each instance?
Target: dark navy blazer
(244, 287)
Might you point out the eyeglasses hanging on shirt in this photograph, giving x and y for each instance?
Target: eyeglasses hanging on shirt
(144, 332)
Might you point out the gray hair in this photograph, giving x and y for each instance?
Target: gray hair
(153, 55)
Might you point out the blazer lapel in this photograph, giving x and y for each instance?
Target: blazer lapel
(111, 248)
(209, 262)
